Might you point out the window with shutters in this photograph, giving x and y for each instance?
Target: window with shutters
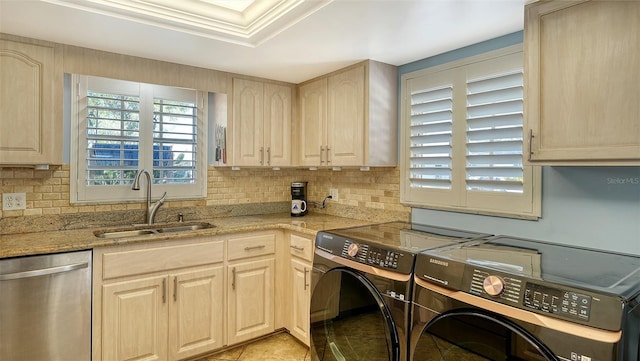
(462, 138)
(124, 126)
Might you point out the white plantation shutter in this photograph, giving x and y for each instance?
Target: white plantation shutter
(431, 138)
(174, 141)
(124, 126)
(462, 138)
(494, 133)
(112, 138)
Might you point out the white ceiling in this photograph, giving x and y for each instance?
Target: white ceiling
(312, 38)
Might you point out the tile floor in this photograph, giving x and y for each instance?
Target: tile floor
(278, 347)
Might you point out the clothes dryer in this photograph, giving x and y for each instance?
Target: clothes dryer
(362, 283)
(515, 299)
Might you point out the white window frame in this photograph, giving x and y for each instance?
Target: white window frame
(81, 193)
(458, 198)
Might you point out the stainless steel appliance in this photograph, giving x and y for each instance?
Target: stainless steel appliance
(299, 199)
(45, 307)
(516, 299)
(361, 288)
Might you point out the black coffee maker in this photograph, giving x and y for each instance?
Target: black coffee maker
(298, 199)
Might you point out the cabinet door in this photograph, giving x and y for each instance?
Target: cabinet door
(30, 104)
(248, 132)
(346, 118)
(196, 315)
(251, 297)
(277, 125)
(313, 117)
(134, 320)
(300, 295)
(582, 79)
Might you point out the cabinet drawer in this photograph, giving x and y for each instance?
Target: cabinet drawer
(126, 263)
(252, 246)
(301, 247)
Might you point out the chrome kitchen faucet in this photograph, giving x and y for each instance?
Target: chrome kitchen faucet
(150, 213)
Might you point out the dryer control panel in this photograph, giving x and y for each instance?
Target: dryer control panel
(368, 253)
(514, 291)
(375, 256)
(557, 301)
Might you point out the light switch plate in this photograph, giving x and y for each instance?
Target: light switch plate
(14, 201)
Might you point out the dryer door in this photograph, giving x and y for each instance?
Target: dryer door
(350, 320)
(454, 325)
(474, 335)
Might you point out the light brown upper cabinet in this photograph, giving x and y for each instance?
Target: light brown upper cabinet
(261, 124)
(582, 82)
(349, 117)
(30, 103)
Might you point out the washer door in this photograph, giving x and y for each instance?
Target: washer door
(473, 335)
(350, 320)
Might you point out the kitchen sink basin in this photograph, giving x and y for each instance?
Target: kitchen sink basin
(125, 234)
(152, 229)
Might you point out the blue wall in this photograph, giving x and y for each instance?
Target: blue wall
(597, 207)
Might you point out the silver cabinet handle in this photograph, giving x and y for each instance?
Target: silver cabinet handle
(530, 146)
(306, 285)
(321, 151)
(164, 290)
(175, 289)
(261, 155)
(268, 155)
(328, 160)
(233, 280)
(297, 248)
(43, 271)
(254, 247)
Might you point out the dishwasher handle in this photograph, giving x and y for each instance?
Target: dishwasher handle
(43, 271)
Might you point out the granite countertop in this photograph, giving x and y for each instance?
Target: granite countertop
(22, 244)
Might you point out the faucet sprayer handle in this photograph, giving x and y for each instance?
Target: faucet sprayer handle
(162, 199)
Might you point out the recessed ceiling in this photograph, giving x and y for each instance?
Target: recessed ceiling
(242, 22)
(287, 40)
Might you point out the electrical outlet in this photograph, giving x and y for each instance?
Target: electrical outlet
(14, 201)
(333, 192)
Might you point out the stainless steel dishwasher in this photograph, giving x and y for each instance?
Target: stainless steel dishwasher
(45, 307)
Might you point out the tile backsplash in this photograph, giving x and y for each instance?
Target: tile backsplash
(360, 192)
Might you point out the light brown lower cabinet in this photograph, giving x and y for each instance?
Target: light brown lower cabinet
(300, 296)
(300, 266)
(251, 300)
(250, 276)
(184, 308)
(158, 302)
(176, 299)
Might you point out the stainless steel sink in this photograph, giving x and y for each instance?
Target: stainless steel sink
(152, 229)
(125, 234)
(184, 228)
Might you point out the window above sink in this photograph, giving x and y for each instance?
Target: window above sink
(121, 126)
